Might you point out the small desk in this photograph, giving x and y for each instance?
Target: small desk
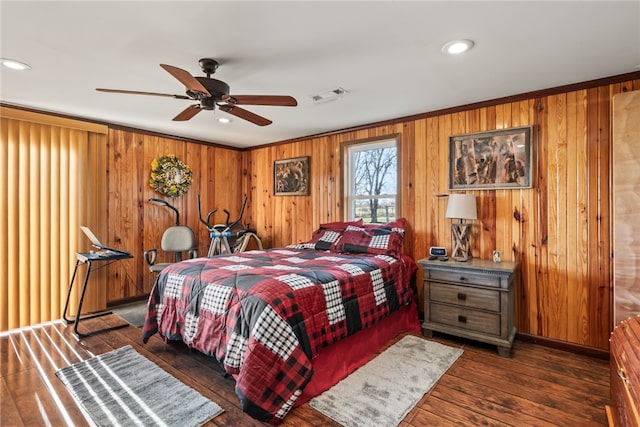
(89, 259)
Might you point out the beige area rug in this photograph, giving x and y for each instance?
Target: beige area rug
(123, 388)
(383, 392)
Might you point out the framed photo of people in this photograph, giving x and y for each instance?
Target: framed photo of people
(491, 160)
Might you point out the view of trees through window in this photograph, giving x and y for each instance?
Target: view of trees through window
(373, 171)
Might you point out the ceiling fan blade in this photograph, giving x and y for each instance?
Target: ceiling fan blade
(275, 100)
(186, 79)
(135, 92)
(188, 113)
(244, 114)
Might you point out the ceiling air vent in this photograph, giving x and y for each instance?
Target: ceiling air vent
(330, 95)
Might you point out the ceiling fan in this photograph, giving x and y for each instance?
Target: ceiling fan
(211, 93)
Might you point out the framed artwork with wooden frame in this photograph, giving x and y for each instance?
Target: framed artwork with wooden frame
(491, 160)
(291, 177)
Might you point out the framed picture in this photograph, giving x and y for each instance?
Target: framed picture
(491, 160)
(291, 177)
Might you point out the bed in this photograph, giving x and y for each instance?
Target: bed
(290, 322)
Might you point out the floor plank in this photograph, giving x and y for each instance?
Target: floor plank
(9, 414)
(536, 386)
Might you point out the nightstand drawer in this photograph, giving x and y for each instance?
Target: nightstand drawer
(471, 320)
(485, 299)
(463, 277)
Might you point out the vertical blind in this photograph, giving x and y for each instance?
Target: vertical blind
(49, 186)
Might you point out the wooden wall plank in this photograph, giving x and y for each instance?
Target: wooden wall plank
(602, 325)
(581, 298)
(572, 238)
(406, 164)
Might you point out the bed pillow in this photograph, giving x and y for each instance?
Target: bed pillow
(340, 225)
(373, 239)
(325, 239)
(398, 223)
(330, 233)
(327, 235)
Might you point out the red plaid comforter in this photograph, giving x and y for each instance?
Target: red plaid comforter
(265, 314)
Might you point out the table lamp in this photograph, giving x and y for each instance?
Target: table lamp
(462, 207)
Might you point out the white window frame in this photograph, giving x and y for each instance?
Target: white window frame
(348, 153)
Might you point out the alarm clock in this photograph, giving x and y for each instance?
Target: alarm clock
(437, 252)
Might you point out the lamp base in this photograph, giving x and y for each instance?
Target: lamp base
(461, 246)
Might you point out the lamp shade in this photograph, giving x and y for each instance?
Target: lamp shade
(462, 206)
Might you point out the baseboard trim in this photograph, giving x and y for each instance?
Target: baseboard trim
(565, 346)
(123, 301)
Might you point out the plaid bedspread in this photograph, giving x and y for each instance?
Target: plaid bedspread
(265, 314)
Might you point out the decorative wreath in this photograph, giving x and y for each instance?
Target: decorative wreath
(170, 176)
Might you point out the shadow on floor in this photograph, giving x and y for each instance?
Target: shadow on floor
(133, 313)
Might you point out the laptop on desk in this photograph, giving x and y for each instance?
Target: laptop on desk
(96, 243)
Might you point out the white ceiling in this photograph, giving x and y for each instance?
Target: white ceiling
(386, 54)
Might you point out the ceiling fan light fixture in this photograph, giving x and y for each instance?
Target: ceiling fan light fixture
(14, 65)
(456, 47)
(224, 120)
(211, 93)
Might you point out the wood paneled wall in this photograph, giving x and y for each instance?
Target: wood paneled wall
(137, 225)
(559, 230)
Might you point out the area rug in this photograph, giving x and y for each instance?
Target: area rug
(123, 388)
(134, 313)
(384, 391)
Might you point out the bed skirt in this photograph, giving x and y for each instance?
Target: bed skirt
(338, 360)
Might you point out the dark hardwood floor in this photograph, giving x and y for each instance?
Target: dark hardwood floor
(537, 386)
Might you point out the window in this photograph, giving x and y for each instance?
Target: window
(371, 180)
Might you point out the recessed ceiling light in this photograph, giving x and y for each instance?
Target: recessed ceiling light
(14, 65)
(456, 47)
(223, 120)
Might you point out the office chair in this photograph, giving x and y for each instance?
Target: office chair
(176, 239)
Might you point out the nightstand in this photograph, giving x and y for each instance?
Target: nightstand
(472, 299)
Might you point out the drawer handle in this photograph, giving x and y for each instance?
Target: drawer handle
(463, 279)
(462, 297)
(462, 319)
(622, 376)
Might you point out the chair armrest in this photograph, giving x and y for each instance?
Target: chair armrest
(150, 256)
